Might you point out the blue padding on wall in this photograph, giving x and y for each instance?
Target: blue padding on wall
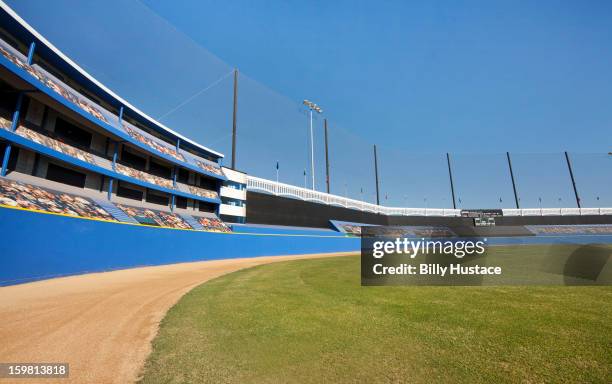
(36, 246)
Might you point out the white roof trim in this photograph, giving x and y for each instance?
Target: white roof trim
(27, 26)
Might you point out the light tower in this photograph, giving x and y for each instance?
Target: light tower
(312, 107)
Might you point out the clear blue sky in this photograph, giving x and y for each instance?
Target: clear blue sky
(413, 77)
(509, 75)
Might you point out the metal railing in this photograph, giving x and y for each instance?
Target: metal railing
(557, 211)
(287, 190)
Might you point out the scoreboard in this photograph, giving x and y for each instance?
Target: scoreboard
(482, 217)
(484, 221)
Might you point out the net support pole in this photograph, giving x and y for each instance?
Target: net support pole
(516, 200)
(326, 156)
(234, 118)
(569, 167)
(450, 176)
(376, 175)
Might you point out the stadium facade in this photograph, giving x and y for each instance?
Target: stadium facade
(73, 148)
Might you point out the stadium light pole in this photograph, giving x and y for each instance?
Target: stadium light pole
(234, 118)
(326, 156)
(312, 107)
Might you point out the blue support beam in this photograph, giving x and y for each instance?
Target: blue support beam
(110, 179)
(173, 203)
(115, 151)
(110, 188)
(15, 121)
(5, 159)
(178, 144)
(31, 53)
(121, 116)
(14, 124)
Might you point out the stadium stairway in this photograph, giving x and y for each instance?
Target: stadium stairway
(193, 222)
(115, 212)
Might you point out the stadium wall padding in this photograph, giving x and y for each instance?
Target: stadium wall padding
(263, 208)
(38, 246)
(268, 209)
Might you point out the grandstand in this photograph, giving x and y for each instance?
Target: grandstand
(59, 125)
(61, 128)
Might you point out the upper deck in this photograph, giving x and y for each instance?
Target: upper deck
(53, 73)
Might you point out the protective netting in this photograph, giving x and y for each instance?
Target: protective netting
(593, 174)
(177, 81)
(482, 181)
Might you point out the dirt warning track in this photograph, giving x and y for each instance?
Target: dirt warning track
(102, 324)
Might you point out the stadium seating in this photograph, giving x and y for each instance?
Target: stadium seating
(69, 150)
(202, 192)
(351, 229)
(551, 230)
(165, 148)
(143, 176)
(50, 142)
(27, 196)
(139, 136)
(213, 224)
(209, 168)
(355, 229)
(153, 217)
(52, 83)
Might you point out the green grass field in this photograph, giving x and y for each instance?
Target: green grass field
(310, 321)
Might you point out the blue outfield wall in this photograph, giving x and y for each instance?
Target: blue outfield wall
(38, 246)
